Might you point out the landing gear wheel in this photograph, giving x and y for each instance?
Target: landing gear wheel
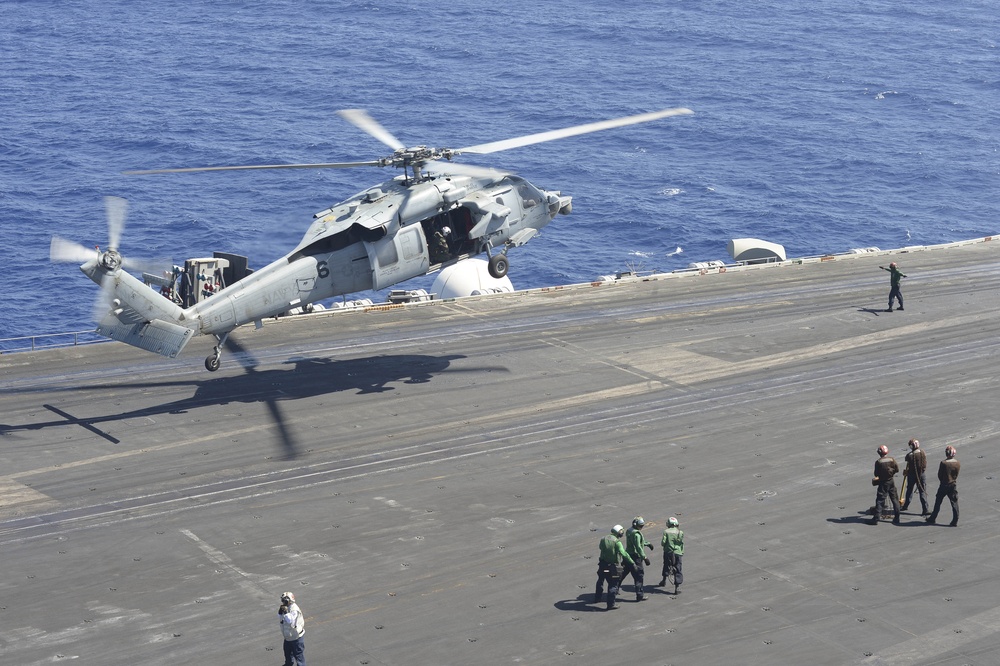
(498, 265)
(212, 362)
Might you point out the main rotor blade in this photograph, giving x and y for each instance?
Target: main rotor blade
(324, 165)
(360, 119)
(249, 363)
(456, 169)
(507, 144)
(62, 250)
(115, 207)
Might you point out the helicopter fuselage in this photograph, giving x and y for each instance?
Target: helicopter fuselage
(381, 237)
(373, 240)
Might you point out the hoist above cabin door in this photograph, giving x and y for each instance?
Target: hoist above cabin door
(398, 256)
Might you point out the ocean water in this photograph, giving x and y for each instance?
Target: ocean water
(823, 126)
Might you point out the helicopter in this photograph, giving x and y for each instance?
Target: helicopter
(432, 215)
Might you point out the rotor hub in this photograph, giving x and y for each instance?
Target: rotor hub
(111, 260)
(415, 157)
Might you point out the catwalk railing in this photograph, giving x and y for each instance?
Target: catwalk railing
(49, 341)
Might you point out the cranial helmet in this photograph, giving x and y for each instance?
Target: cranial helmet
(949, 451)
(446, 230)
(892, 264)
(883, 450)
(638, 521)
(618, 530)
(914, 444)
(672, 522)
(287, 597)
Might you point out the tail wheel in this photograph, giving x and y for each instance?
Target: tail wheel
(498, 265)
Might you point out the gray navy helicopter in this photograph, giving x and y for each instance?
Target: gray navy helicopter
(434, 214)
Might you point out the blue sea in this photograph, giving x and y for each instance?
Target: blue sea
(822, 125)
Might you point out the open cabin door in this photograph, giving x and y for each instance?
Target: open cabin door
(398, 257)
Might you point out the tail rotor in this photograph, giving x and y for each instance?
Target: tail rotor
(95, 263)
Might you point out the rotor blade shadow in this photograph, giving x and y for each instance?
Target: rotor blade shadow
(249, 363)
(70, 419)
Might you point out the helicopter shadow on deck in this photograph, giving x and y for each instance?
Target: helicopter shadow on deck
(309, 378)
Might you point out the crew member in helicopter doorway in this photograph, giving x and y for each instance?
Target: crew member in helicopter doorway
(440, 251)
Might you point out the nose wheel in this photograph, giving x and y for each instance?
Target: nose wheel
(214, 360)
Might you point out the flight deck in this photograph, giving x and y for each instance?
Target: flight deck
(431, 480)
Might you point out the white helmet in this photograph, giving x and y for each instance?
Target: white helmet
(618, 530)
(672, 522)
(446, 230)
(287, 597)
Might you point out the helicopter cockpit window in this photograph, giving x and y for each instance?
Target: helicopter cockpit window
(530, 195)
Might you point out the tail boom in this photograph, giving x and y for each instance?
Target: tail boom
(139, 316)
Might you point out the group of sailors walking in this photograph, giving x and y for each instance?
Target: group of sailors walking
(914, 478)
(624, 553)
(618, 560)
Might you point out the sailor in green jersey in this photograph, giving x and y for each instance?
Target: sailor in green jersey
(634, 543)
(609, 567)
(894, 292)
(673, 552)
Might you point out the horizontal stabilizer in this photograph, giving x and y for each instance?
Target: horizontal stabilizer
(157, 336)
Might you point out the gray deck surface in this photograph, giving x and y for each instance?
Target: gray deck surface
(432, 481)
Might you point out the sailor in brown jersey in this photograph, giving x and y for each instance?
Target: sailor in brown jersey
(948, 478)
(885, 469)
(916, 465)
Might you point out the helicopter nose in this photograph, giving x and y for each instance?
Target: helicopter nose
(559, 204)
(565, 205)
